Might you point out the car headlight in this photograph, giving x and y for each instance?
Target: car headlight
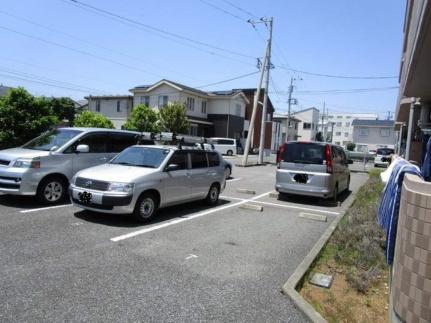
(121, 187)
(26, 163)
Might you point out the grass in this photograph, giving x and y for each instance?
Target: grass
(355, 255)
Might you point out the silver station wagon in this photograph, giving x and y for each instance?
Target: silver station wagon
(312, 169)
(44, 166)
(142, 179)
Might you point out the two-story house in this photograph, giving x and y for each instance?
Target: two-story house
(373, 134)
(308, 124)
(116, 108)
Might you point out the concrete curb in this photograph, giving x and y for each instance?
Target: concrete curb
(289, 288)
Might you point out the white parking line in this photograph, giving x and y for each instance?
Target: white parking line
(44, 208)
(282, 205)
(164, 225)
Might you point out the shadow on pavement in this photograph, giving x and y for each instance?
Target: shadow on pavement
(165, 214)
(315, 201)
(25, 202)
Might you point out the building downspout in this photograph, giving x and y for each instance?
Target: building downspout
(410, 127)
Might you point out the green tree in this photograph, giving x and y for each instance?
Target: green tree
(23, 117)
(350, 146)
(173, 118)
(142, 119)
(64, 109)
(92, 119)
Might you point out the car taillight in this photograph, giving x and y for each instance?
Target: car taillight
(328, 159)
(280, 153)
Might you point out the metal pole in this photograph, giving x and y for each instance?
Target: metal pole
(253, 114)
(410, 129)
(265, 98)
(288, 106)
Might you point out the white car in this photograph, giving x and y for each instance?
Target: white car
(383, 156)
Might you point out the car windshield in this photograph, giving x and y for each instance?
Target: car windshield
(52, 140)
(385, 151)
(304, 153)
(141, 157)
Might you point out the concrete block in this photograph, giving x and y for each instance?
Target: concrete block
(273, 195)
(311, 216)
(246, 191)
(249, 206)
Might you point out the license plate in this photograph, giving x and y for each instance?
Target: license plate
(301, 178)
(85, 197)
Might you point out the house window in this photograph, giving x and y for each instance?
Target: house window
(193, 131)
(348, 117)
(339, 117)
(347, 124)
(384, 132)
(338, 133)
(163, 100)
(330, 117)
(145, 100)
(118, 106)
(238, 109)
(191, 104)
(204, 107)
(306, 125)
(346, 134)
(363, 132)
(98, 105)
(339, 124)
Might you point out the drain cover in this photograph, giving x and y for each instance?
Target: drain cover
(322, 280)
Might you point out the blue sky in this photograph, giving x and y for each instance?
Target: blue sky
(54, 40)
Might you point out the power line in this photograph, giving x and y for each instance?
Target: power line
(228, 80)
(240, 9)
(343, 91)
(338, 76)
(156, 29)
(88, 42)
(222, 10)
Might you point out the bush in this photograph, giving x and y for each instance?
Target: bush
(143, 119)
(92, 120)
(350, 146)
(173, 118)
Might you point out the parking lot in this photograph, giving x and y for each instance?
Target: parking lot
(192, 263)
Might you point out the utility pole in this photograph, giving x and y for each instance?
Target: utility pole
(253, 113)
(259, 86)
(289, 102)
(323, 119)
(265, 98)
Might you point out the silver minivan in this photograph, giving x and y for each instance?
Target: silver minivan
(44, 166)
(312, 169)
(142, 179)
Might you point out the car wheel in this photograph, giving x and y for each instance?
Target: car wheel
(229, 152)
(213, 194)
(228, 172)
(51, 190)
(145, 207)
(335, 195)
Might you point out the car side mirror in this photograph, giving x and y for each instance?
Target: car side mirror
(82, 149)
(172, 167)
(350, 161)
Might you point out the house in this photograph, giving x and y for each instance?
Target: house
(284, 132)
(339, 126)
(308, 123)
(255, 140)
(4, 90)
(373, 134)
(412, 114)
(116, 108)
(211, 114)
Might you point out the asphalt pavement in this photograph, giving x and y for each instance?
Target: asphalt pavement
(193, 263)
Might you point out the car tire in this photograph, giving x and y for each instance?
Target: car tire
(228, 172)
(213, 194)
(335, 195)
(51, 190)
(145, 208)
(229, 153)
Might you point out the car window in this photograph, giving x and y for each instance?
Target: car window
(225, 142)
(179, 158)
(97, 143)
(213, 159)
(120, 141)
(306, 153)
(199, 159)
(52, 139)
(384, 151)
(141, 156)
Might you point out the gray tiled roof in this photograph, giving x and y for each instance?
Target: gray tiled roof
(373, 123)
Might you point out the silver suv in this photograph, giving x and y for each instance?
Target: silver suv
(312, 169)
(142, 179)
(44, 166)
